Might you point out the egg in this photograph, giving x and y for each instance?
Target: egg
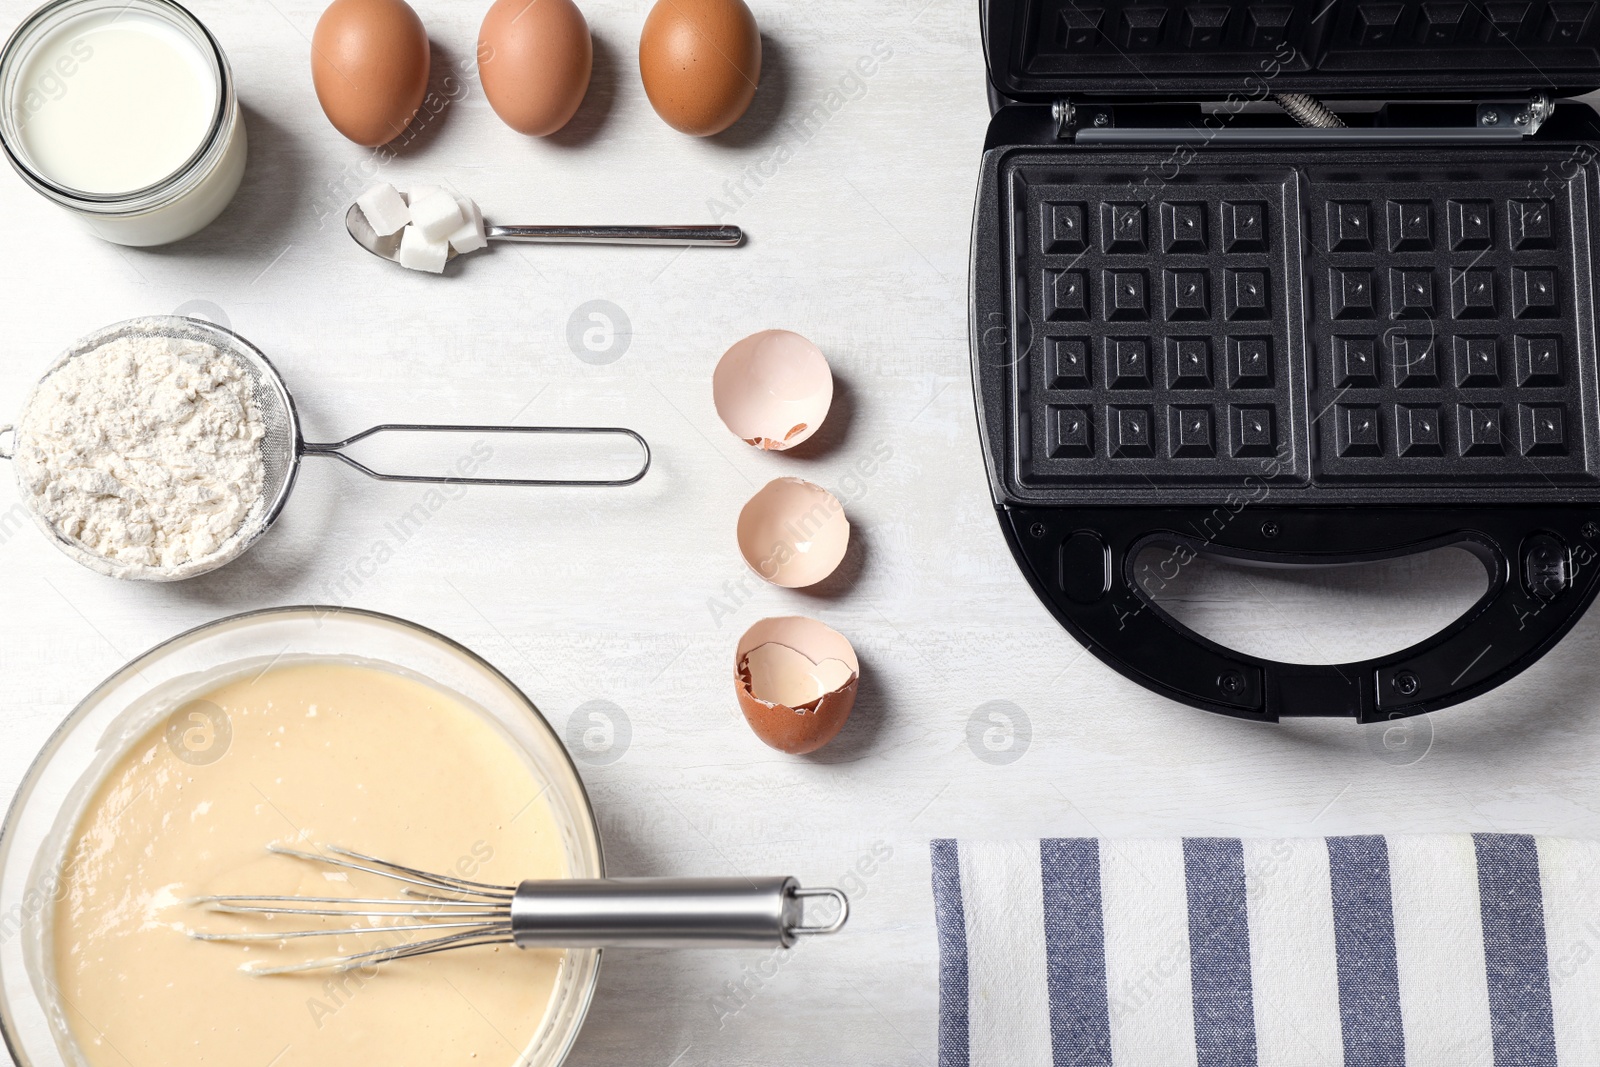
(534, 59)
(369, 63)
(796, 682)
(773, 389)
(701, 62)
(793, 533)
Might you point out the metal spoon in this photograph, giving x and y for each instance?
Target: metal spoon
(355, 220)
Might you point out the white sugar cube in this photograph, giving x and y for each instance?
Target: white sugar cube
(470, 236)
(419, 253)
(437, 214)
(386, 212)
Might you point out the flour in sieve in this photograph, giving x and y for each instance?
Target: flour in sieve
(144, 451)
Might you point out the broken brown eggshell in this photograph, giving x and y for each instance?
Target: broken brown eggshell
(773, 389)
(796, 680)
(793, 532)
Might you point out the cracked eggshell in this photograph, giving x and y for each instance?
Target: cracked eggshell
(796, 680)
(773, 389)
(793, 533)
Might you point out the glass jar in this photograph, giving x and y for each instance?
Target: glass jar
(143, 167)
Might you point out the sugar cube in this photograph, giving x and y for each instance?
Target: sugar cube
(470, 236)
(386, 212)
(419, 253)
(437, 214)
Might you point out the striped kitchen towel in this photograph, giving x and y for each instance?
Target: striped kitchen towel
(1370, 951)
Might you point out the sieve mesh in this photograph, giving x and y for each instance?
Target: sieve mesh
(279, 446)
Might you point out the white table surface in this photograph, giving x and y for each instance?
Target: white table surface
(858, 239)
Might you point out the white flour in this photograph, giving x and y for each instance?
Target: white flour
(144, 452)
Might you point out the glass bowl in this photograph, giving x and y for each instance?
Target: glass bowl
(126, 705)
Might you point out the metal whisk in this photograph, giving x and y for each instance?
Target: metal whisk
(445, 912)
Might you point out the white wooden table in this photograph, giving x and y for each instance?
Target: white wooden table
(857, 194)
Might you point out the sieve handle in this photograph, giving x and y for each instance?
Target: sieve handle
(667, 912)
(8, 441)
(334, 449)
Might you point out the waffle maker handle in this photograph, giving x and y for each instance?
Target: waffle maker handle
(1090, 566)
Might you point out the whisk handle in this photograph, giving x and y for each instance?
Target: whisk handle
(666, 912)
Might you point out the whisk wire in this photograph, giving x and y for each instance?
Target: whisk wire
(372, 957)
(478, 913)
(241, 899)
(410, 876)
(290, 935)
(269, 909)
(442, 879)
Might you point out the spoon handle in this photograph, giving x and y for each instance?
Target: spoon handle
(619, 235)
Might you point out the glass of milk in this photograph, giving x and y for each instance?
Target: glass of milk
(124, 113)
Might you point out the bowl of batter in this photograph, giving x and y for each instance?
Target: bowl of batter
(297, 727)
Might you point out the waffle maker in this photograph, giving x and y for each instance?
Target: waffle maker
(1292, 284)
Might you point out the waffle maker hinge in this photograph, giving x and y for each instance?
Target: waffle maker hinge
(1112, 124)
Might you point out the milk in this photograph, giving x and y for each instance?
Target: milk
(113, 101)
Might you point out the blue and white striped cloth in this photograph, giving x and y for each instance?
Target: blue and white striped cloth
(1370, 951)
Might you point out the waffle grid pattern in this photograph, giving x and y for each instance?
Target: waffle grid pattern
(1165, 330)
(1442, 316)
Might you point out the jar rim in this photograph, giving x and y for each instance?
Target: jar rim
(145, 198)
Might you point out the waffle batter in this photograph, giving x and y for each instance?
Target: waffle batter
(303, 754)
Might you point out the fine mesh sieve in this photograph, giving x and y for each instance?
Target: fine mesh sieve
(281, 445)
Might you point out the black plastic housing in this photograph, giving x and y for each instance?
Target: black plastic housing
(1184, 49)
(1292, 354)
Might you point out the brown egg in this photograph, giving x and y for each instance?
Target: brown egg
(535, 57)
(369, 63)
(796, 680)
(701, 62)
